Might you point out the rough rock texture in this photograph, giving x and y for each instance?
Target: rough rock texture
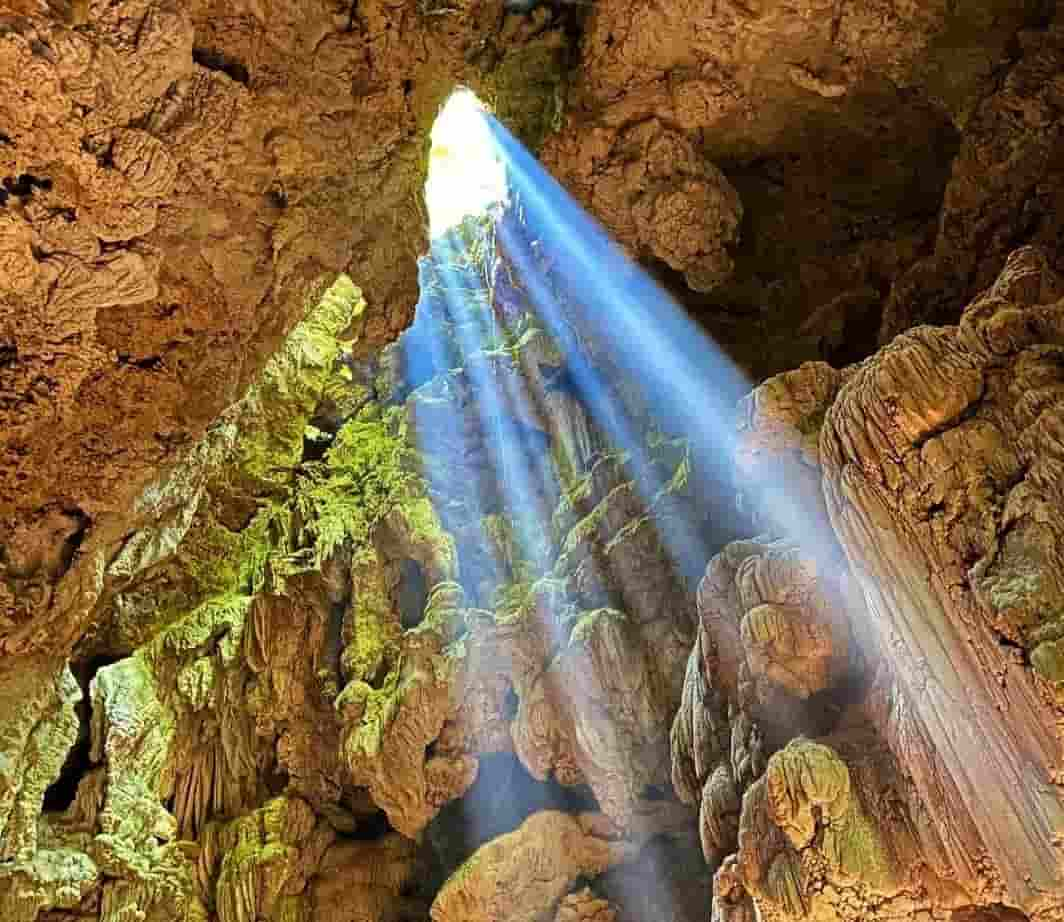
(928, 779)
(281, 602)
(524, 874)
(287, 682)
(1004, 189)
(834, 124)
(178, 181)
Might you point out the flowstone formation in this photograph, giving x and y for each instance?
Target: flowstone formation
(893, 703)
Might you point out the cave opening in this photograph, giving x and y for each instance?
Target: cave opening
(465, 175)
(60, 794)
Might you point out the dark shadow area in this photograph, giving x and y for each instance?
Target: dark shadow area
(213, 59)
(413, 594)
(72, 542)
(22, 186)
(369, 827)
(315, 447)
(61, 793)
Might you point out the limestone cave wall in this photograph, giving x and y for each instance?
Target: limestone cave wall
(275, 644)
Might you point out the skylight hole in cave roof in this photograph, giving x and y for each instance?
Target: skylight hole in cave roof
(465, 176)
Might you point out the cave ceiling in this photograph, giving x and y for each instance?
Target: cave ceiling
(180, 179)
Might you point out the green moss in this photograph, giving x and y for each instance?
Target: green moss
(219, 620)
(262, 857)
(376, 708)
(813, 423)
(589, 622)
(442, 610)
(1013, 592)
(427, 533)
(195, 543)
(374, 629)
(518, 601)
(513, 601)
(678, 482)
(1047, 659)
(586, 529)
(529, 89)
(291, 385)
(363, 477)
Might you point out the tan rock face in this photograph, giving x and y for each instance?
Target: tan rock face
(958, 493)
(949, 711)
(1004, 188)
(178, 180)
(525, 874)
(787, 100)
(266, 604)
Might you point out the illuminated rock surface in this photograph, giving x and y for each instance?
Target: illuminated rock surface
(277, 640)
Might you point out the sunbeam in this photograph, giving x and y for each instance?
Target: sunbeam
(622, 369)
(693, 389)
(465, 174)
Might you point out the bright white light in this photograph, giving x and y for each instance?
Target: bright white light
(465, 174)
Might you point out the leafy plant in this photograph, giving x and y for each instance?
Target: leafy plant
(363, 476)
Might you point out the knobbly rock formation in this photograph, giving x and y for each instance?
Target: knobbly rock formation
(281, 597)
(525, 873)
(297, 661)
(795, 103)
(178, 183)
(930, 781)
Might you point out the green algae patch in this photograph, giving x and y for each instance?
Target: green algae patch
(374, 630)
(281, 402)
(219, 621)
(590, 622)
(259, 861)
(815, 804)
(1047, 659)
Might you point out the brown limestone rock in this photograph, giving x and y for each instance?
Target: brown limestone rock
(937, 456)
(584, 906)
(928, 474)
(661, 199)
(401, 682)
(179, 180)
(365, 882)
(774, 656)
(823, 835)
(522, 876)
(1004, 189)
